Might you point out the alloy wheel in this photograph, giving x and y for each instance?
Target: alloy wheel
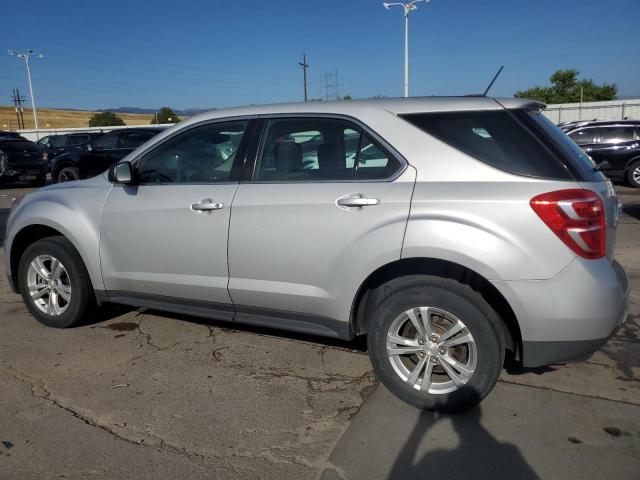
(431, 350)
(49, 285)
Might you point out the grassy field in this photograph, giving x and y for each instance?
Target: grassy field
(53, 118)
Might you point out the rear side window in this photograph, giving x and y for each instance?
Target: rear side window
(495, 137)
(135, 139)
(320, 149)
(615, 134)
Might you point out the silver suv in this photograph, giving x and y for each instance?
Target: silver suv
(449, 230)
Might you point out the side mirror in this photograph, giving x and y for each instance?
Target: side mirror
(121, 172)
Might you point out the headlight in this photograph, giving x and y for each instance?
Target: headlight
(45, 157)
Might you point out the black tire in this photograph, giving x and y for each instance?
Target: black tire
(634, 169)
(465, 304)
(67, 174)
(82, 299)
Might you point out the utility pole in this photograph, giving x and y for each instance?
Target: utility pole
(17, 102)
(408, 7)
(304, 66)
(26, 56)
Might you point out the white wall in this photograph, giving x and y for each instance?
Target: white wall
(30, 134)
(610, 110)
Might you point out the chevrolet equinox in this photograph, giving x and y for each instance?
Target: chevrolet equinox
(448, 230)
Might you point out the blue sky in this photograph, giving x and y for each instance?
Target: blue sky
(215, 53)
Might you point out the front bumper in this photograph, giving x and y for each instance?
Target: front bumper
(571, 315)
(31, 172)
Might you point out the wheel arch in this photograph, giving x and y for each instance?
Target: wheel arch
(60, 164)
(379, 282)
(30, 234)
(25, 237)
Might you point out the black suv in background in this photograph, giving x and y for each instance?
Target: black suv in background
(105, 151)
(21, 160)
(617, 142)
(55, 145)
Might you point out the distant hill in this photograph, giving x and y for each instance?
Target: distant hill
(188, 112)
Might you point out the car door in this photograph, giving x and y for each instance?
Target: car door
(613, 144)
(164, 240)
(312, 221)
(96, 161)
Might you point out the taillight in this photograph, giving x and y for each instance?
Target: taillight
(576, 217)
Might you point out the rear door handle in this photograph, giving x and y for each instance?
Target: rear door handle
(206, 206)
(356, 200)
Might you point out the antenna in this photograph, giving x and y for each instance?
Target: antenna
(493, 81)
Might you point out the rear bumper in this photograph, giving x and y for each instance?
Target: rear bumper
(571, 315)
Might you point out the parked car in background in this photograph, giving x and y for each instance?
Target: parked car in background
(21, 160)
(105, 150)
(617, 142)
(7, 135)
(68, 143)
(48, 140)
(435, 226)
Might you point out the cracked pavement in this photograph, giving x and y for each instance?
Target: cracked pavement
(142, 394)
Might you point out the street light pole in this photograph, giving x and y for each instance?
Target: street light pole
(26, 56)
(408, 7)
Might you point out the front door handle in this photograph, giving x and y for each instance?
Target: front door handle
(356, 200)
(206, 206)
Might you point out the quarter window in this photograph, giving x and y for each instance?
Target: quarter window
(320, 149)
(202, 154)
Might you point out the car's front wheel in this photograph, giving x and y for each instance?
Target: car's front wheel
(436, 344)
(68, 174)
(633, 174)
(54, 283)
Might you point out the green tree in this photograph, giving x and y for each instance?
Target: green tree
(566, 88)
(347, 97)
(105, 119)
(165, 115)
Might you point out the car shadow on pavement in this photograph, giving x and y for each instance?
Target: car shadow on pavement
(478, 455)
(633, 210)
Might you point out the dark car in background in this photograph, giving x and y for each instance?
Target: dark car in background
(73, 141)
(48, 141)
(105, 151)
(617, 142)
(4, 135)
(21, 160)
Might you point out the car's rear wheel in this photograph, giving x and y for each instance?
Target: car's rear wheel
(633, 174)
(68, 174)
(54, 283)
(436, 344)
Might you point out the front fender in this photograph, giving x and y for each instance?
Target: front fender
(74, 211)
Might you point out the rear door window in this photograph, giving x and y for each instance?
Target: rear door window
(108, 141)
(321, 149)
(135, 139)
(615, 134)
